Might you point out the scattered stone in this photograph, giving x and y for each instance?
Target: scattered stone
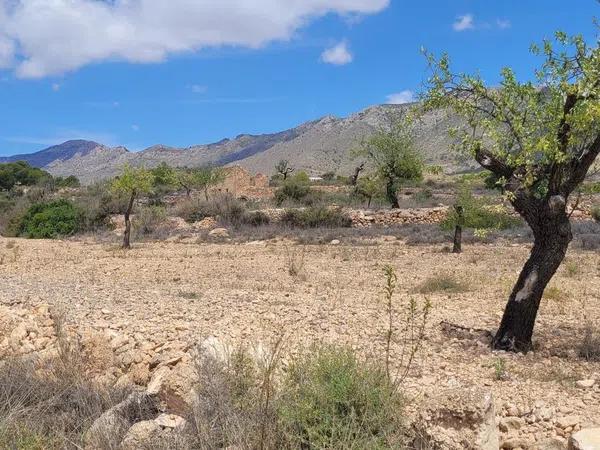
(508, 424)
(335, 242)
(567, 421)
(585, 384)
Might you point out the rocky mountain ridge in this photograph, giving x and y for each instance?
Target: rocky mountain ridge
(317, 146)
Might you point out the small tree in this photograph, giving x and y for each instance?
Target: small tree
(201, 178)
(369, 187)
(393, 154)
(131, 183)
(479, 214)
(354, 177)
(283, 168)
(540, 140)
(165, 176)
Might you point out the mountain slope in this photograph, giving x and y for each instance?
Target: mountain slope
(318, 146)
(62, 152)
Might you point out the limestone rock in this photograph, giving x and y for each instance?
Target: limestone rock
(170, 421)
(462, 418)
(585, 384)
(140, 435)
(587, 439)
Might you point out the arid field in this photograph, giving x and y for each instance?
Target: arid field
(150, 306)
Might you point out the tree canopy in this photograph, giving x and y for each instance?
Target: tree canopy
(20, 173)
(539, 138)
(393, 153)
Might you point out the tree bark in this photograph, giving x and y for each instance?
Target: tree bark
(457, 248)
(392, 194)
(552, 238)
(127, 233)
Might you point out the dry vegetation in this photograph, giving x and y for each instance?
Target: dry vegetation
(164, 297)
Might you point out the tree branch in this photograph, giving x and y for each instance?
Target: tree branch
(490, 162)
(580, 167)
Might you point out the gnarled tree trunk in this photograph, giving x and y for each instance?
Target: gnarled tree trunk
(552, 235)
(457, 247)
(392, 193)
(127, 233)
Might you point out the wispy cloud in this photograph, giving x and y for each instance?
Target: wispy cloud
(399, 98)
(235, 100)
(199, 89)
(135, 127)
(338, 55)
(464, 22)
(103, 104)
(62, 135)
(503, 24)
(56, 87)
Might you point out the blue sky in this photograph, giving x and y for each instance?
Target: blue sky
(141, 76)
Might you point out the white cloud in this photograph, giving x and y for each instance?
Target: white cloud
(465, 22)
(338, 55)
(503, 24)
(56, 87)
(37, 36)
(199, 89)
(400, 98)
(135, 128)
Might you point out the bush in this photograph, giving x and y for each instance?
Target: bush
(20, 173)
(292, 190)
(479, 214)
(330, 399)
(441, 283)
(316, 217)
(595, 212)
(148, 219)
(50, 220)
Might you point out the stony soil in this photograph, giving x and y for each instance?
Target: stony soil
(161, 298)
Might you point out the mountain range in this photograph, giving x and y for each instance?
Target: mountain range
(318, 146)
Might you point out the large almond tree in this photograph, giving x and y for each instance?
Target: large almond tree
(540, 138)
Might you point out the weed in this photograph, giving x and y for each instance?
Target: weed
(500, 372)
(189, 295)
(571, 268)
(441, 283)
(590, 345)
(295, 260)
(554, 293)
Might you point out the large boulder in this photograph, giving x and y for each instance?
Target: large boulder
(458, 419)
(587, 439)
(108, 430)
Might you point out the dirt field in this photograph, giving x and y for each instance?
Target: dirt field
(173, 294)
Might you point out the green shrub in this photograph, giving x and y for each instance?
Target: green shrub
(292, 190)
(590, 188)
(479, 214)
(330, 399)
(20, 173)
(256, 219)
(316, 217)
(595, 212)
(51, 220)
(67, 182)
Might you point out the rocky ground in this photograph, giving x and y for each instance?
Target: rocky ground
(141, 312)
